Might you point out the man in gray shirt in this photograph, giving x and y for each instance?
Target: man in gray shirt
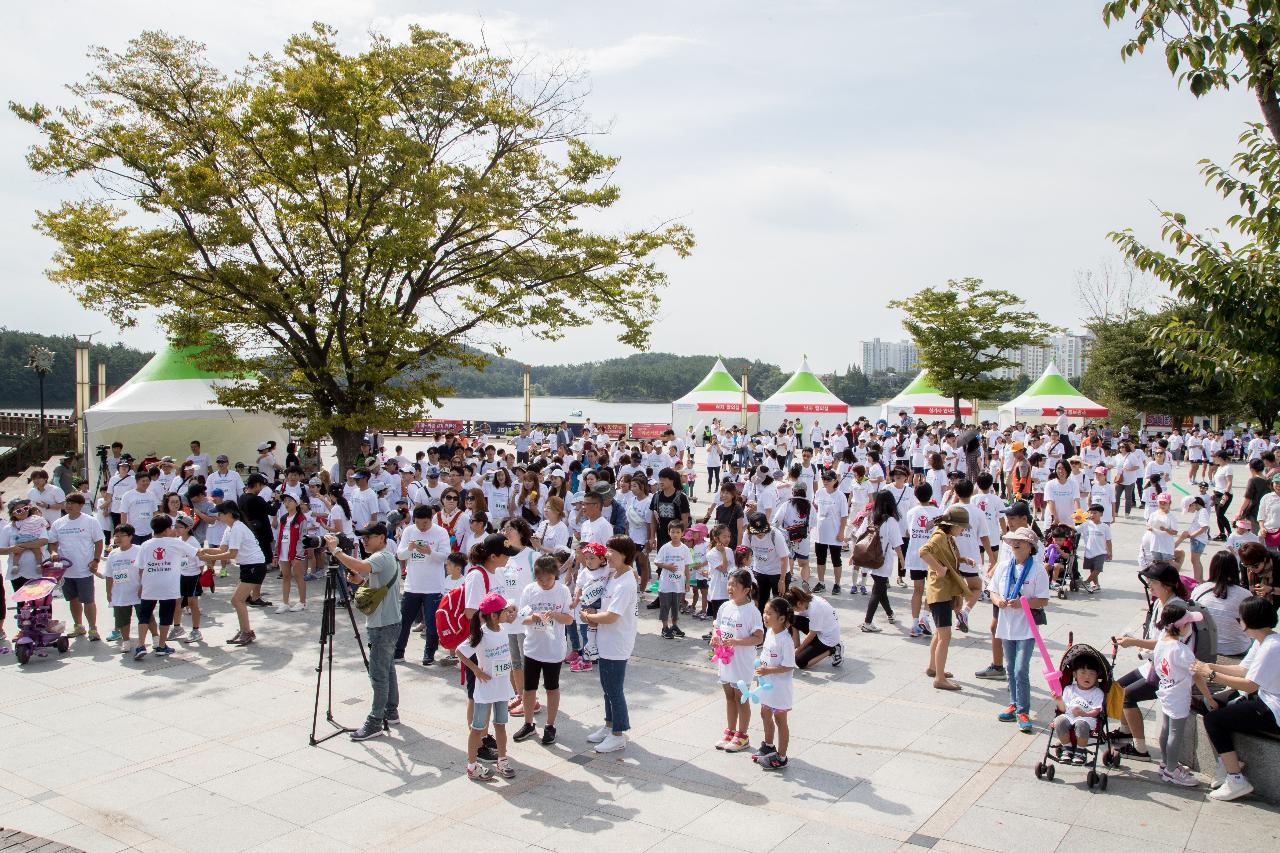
(382, 626)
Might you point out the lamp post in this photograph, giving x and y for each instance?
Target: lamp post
(746, 372)
(40, 360)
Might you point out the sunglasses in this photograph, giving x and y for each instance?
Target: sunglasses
(451, 498)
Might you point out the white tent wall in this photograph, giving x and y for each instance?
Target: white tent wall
(685, 415)
(772, 416)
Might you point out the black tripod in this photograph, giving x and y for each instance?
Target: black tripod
(335, 593)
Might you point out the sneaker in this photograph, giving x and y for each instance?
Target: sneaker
(676, 630)
(1131, 751)
(195, 636)
(526, 731)
(222, 573)
(479, 773)
(1179, 776)
(548, 735)
(869, 628)
(586, 666)
(391, 718)
(891, 619)
(765, 749)
(308, 577)
(164, 651)
(177, 632)
(653, 605)
(94, 636)
(78, 631)
(575, 665)
(739, 743)
(449, 659)
(837, 654)
(428, 661)
(991, 673)
(235, 640)
(280, 608)
(725, 739)
(488, 748)
(902, 582)
(140, 652)
(1024, 724)
(504, 768)
(1234, 788)
(962, 622)
(612, 743)
(773, 762)
(1091, 588)
(1081, 756)
(835, 589)
(667, 635)
(297, 607)
(114, 636)
(599, 734)
(915, 631)
(1118, 734)
(925, 629)
(1008, 715)
(819, 587)
(862, 589)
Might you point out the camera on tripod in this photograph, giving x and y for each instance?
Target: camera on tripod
(101, 450)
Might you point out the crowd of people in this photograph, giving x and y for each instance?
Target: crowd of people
(557, 540)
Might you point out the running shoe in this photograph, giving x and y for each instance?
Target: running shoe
(177, 632)
(915, 631)
(195, 636)
(391, 718)
(78, 631)
(94, 636)
(1008, 715)
(114, 636)
(962, 622)
(676, 630)
(1131, 751)
(548, 735)
(1179, 776)
(819, 587)
(925, 629)
(1024, 724)
(739, 743)
(140, 652)
(869, 628)
(504, 769)
(835, 589)
(862, 589)
(525, 732)
(773, 762)
(164, 651)
(837, 654)
(479, 773)
(367, 732)
(991, 673)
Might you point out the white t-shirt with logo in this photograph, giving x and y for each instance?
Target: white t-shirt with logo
(779, 650)
(239, 538)
(678, 556)
(126, 579)
(544, 641)
(515, 578)
(737, 622)
(424, 572)
(1172, 660)
(917, 531)
(160, 562)
(493, 657)
(76, 538)
(616, 640)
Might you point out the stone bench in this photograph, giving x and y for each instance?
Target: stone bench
(1260, 754)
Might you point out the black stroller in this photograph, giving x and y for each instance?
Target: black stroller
(1098, 746)
(1060, 544)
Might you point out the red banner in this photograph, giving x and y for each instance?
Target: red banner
(727, 407)
(649, 430)
(612, 430)
(429, 426)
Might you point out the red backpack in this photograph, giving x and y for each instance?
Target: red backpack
(452, 625)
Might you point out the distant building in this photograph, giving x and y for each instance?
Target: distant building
(1069, 352)
(883, 356)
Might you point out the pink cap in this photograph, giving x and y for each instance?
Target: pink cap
(493, 603)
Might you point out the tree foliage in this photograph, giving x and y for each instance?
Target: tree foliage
(20, 388)
(965, 332)
(340, 226)
(1211, 44)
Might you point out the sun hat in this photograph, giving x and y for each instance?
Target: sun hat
(956, 516)
(1022, 534)
(1164, 498)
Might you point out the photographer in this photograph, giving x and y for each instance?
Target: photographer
(382, 625)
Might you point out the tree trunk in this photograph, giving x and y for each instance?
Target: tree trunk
(347, 444)
(955, 401)
(1270, 106)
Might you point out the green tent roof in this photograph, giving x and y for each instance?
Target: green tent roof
(920, 385)
(171, 363)
(719, 380)
(1051, 384)
(803, 382)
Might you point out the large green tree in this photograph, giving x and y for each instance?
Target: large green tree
(1230, 281)
(338, 225)
(965, 332)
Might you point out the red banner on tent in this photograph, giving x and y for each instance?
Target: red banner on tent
(649, 430)
(816, 408)
(940, 410)
(1077, 411)
(727, 407)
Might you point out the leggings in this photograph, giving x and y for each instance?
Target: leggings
(1062, 724)
(879, 596)
(1136, 688)
(766, 588)
(805, 656)
(822, 550)
(1220, 503)
(669, 607)
(713, 478)
(1244, 715)
(1173, 740)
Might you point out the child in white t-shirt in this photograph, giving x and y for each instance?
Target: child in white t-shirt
(699, 579)
(1171, 660)
(1242, 533)
(1095, 545)
(544, 611)
(672, 562)
(486, 654)
(1079, 708)
(588, 589)
(126, 582)
(455, 565)
(776, 665)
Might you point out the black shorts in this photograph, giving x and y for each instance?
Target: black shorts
(941, 613)
(919, 574)
(1095, 564)
(470, 678)
(147, 608)
(190, 586)
(968, 575)
(254, 573)
(550, 673)
(701, 584)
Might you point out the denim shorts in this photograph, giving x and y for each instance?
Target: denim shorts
(1197, 547)
(480, 715)
(1160, 557)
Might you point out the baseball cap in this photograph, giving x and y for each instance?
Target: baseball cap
(222, 457)
(379, 486)
(433, 470)
(216, 493)
(164, 459)
(493, 603)
(757, 522)
(360, 475)
(1017, 508)
(495, 544)
(1275, 478)
(375, 529)
(266, 445)
(185, 520)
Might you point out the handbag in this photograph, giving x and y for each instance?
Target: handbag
(369, 597)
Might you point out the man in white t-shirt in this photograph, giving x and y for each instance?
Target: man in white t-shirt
(422, 550)
(77, 537)
(594, 527)
(45, 496)
(139, 506)
(231, 483)
(199, 459)
(160, 561)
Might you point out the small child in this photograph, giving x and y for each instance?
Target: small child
(1146, 550)
(1095, 545)
(31, 525)
(672, 561)
(455, 564)
(719, 565)
(1079, 709)
(777, 663)
(102, 510)
(589, 587)
(189, 584)
(695, 538)
(545, 607)
(486, 654)
(1242, 533)
(1172, 659)
(126, 586)
(739, 629)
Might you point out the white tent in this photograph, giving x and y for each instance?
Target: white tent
(168, 404)
(920, 398)
(803, 396)
(1039, 403)
(718, 395)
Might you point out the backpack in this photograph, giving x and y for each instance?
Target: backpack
(1205, 633)
(451, 617)
(868, 551)
(798, 530)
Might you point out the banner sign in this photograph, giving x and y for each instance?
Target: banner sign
(649, 430)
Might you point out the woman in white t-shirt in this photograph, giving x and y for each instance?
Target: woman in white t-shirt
(884, 515)
(815, 628)
(1061, 496)
(615, 623)
(1258, 675)
(1221, 598)
(552, 533)
(240, 545)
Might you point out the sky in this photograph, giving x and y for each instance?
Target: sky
(829, 156)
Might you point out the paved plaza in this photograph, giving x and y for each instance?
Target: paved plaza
(207, 751)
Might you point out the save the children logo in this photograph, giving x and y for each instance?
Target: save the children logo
(1164, 667)
(159, 552)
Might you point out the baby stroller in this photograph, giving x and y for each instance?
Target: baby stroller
(1060, 542)
(1078, 654)
(37, 629)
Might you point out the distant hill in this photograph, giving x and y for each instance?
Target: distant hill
(642, 377)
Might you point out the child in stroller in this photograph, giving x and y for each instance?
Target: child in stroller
(1060, 545)
(1079, 731)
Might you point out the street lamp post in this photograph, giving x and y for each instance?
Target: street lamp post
(40, 360)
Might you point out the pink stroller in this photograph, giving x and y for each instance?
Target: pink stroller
(37, 629)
